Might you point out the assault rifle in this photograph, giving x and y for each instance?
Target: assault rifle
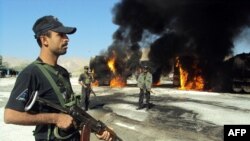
(84, 121)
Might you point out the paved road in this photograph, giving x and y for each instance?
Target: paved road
(175, 115)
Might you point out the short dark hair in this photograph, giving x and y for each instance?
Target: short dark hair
(38, 40)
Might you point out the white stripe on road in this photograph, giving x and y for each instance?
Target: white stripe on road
(126, 126)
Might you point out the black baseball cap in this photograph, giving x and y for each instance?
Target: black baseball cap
(145, 67)
(43, 24)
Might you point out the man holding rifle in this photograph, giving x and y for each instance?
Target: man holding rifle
(51, 82)
(85, 80)
(144, 82)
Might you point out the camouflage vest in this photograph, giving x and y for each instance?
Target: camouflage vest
(86, 78)
(144, 80)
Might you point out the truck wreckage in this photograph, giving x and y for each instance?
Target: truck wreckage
(233, 75)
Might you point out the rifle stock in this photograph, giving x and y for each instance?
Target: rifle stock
(82, 118)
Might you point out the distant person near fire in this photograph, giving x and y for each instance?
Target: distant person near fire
(85, 80)
(144, 82)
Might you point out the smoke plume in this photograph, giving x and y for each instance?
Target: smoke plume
(203, 28)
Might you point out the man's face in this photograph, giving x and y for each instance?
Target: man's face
(58, 43)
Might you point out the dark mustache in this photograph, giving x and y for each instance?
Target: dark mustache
(66, 44)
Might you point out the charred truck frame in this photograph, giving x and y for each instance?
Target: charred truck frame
(233, 75)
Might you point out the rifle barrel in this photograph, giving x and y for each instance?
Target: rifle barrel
(50, 104)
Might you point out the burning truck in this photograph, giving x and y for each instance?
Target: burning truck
(187, 73)
(190, 73)
(233, 75)
(105, 72)
(204, 31)
(239, 72)
(100, 70)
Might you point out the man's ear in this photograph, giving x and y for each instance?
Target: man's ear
(44, 40)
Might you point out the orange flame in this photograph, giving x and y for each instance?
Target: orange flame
(111, 64)
(117, 81)
(158, 83)
(183, 78)
(95, 83)
(188, 83)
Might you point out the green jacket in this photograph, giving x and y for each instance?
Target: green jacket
(85, 78)
(144, 80)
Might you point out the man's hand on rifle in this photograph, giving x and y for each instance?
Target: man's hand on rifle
(104, 136)
(84, 85)
(63, 121)
(70, 115)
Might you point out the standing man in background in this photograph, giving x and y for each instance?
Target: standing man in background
(144, 82)
(85, 80)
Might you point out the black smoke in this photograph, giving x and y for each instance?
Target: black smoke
(204, 28)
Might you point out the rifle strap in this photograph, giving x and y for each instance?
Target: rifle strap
(58, 136)
(51, 81)
(42, 67)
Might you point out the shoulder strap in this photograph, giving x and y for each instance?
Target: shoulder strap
(51, 69)
(51, 81)
(58, 93)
